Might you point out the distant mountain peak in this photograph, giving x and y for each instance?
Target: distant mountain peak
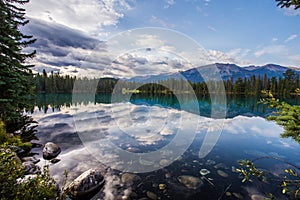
(226, 70)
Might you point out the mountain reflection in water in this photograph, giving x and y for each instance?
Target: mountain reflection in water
(249, 136)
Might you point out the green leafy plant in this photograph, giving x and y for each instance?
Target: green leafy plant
(290, 182)
(249, 170)
(15, 185)
(286, 115)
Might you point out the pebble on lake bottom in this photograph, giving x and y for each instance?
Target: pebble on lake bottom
(204, 172)
(190, 182)
(161, 186)
(151, 195)
(222, 173)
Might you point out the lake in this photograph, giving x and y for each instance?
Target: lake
(158, 146)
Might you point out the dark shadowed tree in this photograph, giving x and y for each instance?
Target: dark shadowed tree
(288, 3)
(15, 74)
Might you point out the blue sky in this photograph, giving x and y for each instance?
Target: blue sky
(254, 32)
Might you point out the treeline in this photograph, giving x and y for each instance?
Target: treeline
(55, 83)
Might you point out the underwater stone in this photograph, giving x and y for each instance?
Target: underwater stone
(204, 172)
(190, 182)
(222, 173)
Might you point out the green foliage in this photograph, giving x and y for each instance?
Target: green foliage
(249, 170)
(288, 3)
(287, 116)
(12, 139)
(14, 74)
(55, 83)
(14, 185)
(290, 182)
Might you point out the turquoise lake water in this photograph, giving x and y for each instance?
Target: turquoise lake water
(177, 133)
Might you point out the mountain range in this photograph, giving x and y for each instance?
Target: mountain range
(226, 71)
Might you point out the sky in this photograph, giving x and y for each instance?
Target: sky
(126, 38)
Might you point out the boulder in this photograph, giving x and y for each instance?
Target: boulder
(19, 151)
(30, 167)
(51, 150)
(32, 159)
(89, 182)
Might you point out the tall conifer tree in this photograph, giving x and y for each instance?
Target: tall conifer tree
(14, 74)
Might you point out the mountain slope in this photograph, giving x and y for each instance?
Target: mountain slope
(226, 72)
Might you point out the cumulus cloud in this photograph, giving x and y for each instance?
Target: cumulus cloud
(218, 56)
(88, 16)
(148, 62)
(67, 34)
(67, 50)
(60, 47)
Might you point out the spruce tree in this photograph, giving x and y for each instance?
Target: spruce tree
(15, 74)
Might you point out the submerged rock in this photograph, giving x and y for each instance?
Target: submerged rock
(51, 150)
(238, 195)
(204, 172)
(162, 186)
(168, 175)
(257, 197)
(145, 162)
(222, 173)
(220, 165)
(151, 195)
(163, 162)
(130, 179)
(87, 183)
(190, 182)
(210, 162)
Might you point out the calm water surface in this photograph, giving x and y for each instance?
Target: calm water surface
(149, 123)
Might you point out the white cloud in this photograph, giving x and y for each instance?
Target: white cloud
(271, 49)
(291, 37)
(239, 53)
(219, 56)
(87, 16)
(290, 11)
(212, 28)
(274, 39)
(148, 40)
(206, 2)
(155, 19)
(169, 3)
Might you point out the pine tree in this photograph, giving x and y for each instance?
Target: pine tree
(14, 74)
